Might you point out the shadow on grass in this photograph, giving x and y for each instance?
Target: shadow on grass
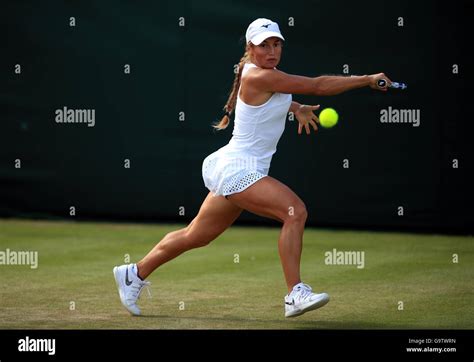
(293, 323)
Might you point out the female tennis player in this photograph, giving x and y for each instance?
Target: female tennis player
(237, 174)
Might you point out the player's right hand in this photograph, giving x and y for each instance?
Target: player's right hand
(374, 78)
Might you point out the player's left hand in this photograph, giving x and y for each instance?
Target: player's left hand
(306, 117)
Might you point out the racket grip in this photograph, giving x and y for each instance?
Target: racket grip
(382, 83)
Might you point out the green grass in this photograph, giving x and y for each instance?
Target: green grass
(76, 261)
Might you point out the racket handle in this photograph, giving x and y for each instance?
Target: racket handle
(382, 83)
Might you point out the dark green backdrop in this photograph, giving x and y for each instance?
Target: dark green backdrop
(190, 69)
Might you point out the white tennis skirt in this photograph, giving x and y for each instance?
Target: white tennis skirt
(225, 173)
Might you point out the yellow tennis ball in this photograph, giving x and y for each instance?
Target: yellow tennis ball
(328, 117)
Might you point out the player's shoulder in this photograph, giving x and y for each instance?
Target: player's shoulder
(257, 75)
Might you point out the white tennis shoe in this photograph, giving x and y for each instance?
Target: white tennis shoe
(129, 286)
(302, 300)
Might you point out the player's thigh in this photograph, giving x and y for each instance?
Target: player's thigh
(214, 217)
(271, 198)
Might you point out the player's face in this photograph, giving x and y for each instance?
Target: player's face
(268, 53)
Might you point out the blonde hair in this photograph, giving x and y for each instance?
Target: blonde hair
(232, 100)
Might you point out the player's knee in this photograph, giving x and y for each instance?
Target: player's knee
(296, 213)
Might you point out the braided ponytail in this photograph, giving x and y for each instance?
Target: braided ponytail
(232, 101)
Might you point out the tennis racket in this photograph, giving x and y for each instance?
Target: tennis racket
(382, 83)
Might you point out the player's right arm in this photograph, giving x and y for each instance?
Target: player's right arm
(273, 80)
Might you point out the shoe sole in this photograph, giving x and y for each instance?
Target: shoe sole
(119, 287)
(317, 304)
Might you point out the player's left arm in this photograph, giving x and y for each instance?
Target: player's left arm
(295, 106)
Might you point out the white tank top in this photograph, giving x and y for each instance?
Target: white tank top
(257, 129)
